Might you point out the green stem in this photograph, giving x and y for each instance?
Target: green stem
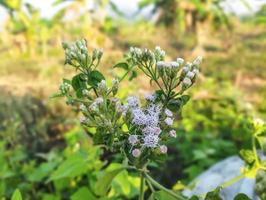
(142, 185)
(254, 149)
(159, 186)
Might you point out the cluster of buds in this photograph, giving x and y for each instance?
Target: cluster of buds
(64, 88)
(190, 72)
(145, 55)
(76, 53)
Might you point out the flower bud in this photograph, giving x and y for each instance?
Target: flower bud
(197, 61)
(102, 87)
(133, 139)
(190, 75)
(136, 153)
(186, 83)
(180, 61)
(99, 54)
(169, 121)
(82, 119)
(115, 86)
(82, 107)
(163, 149)
(168, 113)
(85, 92)
(172, 133)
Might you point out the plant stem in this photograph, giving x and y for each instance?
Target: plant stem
(159, 186)
(142, 185)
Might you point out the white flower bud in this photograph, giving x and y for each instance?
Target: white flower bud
(169, 121)
(195, 71)
(82, 119)
(160, 64)
(163, 149)
(172, 133)
(133, 139)
(99, 100)
(136, 153)
(82, 107)
(174, 64)
(190, 75)
(186, 82)
(85, 92)
(168, 113)
(180, 61)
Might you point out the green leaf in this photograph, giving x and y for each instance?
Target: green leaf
(247, 156)
(42, 171)
(95, 77)
(185, 99)
(133, 75)
(78, 83)
(241, 196)
(194, 198)
(56, 95)
(73, 166)
(16, 195)
(122, 65)
(83, 193)
(214, 195)
(103, 184)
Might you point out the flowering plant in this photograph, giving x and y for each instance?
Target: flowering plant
(137, 129)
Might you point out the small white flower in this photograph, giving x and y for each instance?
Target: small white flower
(115, 82)
(180, 61)
(138, 117)
(150, 97)
(152, 130)
(185, 69)
(190, 75)
(172, 133)
(82, 119)
(82, 107)
(160, 64)
(168, 113)
(151, 140)
(102, 84)
(174, 64)
(93, 106)
(85, 92)
(195, 71)
(99, 100)
(133, 139)
(136, 153)
(187, 82)
(133, 101)
(169, 121)
(163, 149)
(124, 110)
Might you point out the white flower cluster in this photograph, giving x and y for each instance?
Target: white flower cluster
(148, 122)
(190, 72)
